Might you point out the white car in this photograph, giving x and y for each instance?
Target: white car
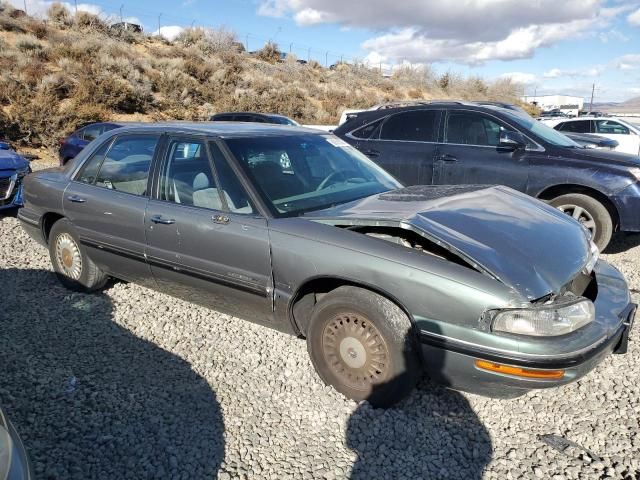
(626, 134)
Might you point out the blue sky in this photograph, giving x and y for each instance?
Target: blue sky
(549, 46)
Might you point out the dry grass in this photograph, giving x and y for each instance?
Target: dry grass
(73, 69)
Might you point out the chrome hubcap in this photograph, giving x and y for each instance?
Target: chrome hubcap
(581, 215)
(68, 256)
(355, 351)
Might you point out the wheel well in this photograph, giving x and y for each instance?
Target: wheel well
(48, 219)
(304, 301)
(557, 190)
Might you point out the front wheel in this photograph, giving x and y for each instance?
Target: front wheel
(73, 267)
(590, 213)
(362, 344)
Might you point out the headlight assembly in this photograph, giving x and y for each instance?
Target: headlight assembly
(550, 320)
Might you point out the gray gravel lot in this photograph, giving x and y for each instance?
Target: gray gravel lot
(131, 383)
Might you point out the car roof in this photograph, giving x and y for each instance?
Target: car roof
(258, 114)
(366, 116)
(593, 117)
(220, 129)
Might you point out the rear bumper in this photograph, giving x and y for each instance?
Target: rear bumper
(452, 361)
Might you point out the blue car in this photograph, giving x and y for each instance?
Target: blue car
(13, 168)
(75, 143)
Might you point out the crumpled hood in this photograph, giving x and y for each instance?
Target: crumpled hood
(10, 160)
(526, 244)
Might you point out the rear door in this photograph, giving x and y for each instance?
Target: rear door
(470, 153)
(404, 144)
(106, 203)
(628, 140)
(205, 240)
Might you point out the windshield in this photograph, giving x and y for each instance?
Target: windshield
(299, 173)
(543, 131)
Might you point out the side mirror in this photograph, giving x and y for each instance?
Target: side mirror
(512, 140)
(4, 146)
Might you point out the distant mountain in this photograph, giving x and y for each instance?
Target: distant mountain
(629, 106)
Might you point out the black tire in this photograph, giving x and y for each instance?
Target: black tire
(595, 214)
(383, 373)
(79, 276)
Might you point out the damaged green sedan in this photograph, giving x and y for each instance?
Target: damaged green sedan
(485, 289)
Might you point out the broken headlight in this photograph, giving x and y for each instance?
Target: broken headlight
(547, 320)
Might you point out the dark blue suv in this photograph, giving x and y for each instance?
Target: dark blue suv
(447, 143)
(75, 143)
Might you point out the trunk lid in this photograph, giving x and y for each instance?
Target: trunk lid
(523, 242)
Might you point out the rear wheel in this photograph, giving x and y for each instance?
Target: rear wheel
(73, 267)
(362, 344)
(590, 213)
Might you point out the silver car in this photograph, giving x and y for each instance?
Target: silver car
(483, 288)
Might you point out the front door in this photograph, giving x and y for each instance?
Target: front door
(628, 140)
(471, 155)
(405, 145)
(106, 203)
(205, 241)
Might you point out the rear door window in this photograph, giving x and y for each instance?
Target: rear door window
(579, 126)
(92, 132)
(414, 126)
(90, 168)
(126, 165)
(371, 131)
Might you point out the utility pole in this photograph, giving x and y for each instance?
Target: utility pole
(159, 25)
(76, 5)
(25, 7)
(326, 59)
(309, 55)
(290, 47)
(121, 7)
(247, 42)
(593, 90)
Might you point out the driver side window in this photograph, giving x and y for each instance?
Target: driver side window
(472, 128)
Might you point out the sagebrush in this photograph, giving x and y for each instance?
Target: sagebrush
(74, 69)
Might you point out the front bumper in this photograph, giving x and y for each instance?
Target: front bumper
(453, 362)
(628, 205)
(12, 196)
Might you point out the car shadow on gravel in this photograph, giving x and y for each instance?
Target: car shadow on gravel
(92, 400)
(433, 434)
(621, 242)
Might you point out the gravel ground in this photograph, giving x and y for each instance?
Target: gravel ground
(131, 383)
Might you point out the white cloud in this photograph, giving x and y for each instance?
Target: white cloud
(613, 35)
(170, 32)
(39, 8)
(627, 62)
(415, 46)
(522, 78)
(587, 72)
(634, 18)
(470, 32)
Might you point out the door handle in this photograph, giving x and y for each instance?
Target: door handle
(76, 199)
(222, 219)
(163, 221)
(447, 157)
(371, 153)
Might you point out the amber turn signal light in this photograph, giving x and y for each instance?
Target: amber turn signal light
(519, 372)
